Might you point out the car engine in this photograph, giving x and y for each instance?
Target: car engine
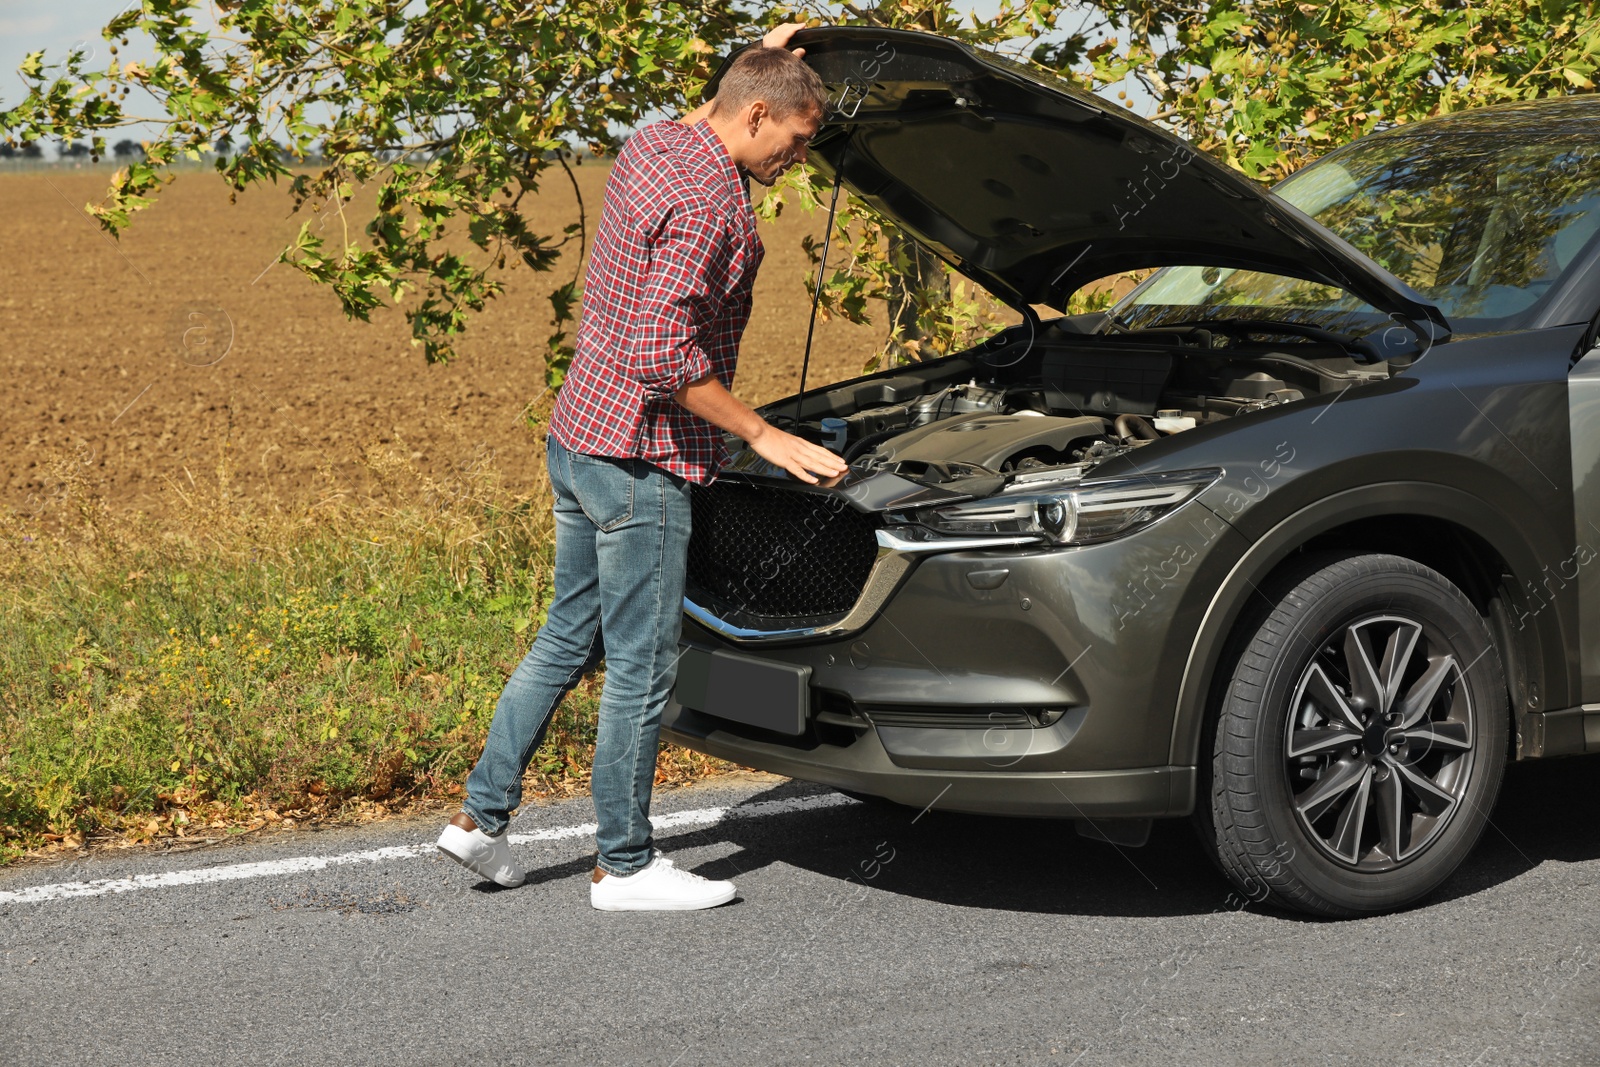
(1021, 402)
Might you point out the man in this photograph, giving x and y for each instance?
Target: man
(666, 300)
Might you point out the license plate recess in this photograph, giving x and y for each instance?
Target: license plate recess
(743, 689)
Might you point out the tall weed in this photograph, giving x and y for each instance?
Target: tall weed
(241, 662)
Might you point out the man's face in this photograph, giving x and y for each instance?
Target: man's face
(776, 144)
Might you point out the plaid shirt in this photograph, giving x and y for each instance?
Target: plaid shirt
(665, 302)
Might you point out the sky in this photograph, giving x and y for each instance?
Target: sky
(29, 25)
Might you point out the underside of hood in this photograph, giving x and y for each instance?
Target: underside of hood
(1034, 188)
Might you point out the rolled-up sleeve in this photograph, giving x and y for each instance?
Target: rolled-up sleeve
(691, 260)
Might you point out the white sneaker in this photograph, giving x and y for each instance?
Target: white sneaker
(657, 886)
(487, 857)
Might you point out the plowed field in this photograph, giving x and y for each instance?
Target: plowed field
(141, 359)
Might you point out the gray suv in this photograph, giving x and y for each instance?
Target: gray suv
(1294, 540)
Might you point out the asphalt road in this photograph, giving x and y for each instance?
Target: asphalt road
(860, 936)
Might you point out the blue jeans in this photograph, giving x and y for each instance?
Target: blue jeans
(622, 546)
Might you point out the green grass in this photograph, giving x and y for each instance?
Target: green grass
(231, 663)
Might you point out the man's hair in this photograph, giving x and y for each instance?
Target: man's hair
(775, 76)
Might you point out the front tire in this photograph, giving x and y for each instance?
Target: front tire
(1361, 739)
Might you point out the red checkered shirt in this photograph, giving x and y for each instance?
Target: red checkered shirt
(665, 302)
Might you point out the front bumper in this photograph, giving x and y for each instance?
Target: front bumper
(1051, 691)
(863, 765)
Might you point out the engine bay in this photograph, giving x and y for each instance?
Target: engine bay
(1032, 398)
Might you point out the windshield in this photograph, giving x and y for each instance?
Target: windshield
(1481, 221)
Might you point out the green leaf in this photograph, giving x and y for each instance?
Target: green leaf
(425, 112)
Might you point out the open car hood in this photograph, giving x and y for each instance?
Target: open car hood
(1033, 188)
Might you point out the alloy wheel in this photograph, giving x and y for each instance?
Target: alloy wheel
(1380, 742)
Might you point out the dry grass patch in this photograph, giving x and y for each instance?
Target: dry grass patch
(243, 663)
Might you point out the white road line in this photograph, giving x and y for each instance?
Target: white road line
(39, 894)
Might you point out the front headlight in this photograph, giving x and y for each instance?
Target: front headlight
(1075, 515)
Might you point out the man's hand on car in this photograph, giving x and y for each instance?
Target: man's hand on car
(797, 455)
(708, 398)
(778, 37)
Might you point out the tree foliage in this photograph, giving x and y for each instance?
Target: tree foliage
(452, 114)
(1268, 84)
(1264, 85)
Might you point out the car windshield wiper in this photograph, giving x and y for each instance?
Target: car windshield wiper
(1239, 327)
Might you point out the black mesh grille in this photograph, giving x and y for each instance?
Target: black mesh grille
(777, 553)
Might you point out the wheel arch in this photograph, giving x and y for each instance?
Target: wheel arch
(1439, 526)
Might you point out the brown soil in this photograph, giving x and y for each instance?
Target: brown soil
(106, 341)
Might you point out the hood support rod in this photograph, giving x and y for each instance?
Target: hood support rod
(816, 294)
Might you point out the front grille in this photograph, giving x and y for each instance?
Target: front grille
(975, 718)
(777, 553)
